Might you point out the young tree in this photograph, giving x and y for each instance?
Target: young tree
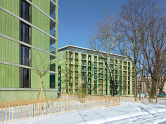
(42, 68)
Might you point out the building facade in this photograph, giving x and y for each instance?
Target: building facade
(89, 68)
(28, 30)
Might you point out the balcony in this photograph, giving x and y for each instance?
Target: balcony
(53, 15)
(52, 49)
(52, 32)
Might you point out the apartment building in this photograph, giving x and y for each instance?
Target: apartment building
(28, 30)
(85, 67)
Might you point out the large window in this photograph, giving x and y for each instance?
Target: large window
(24, 33)
(25, 78)
(25, 55)
(25, 10)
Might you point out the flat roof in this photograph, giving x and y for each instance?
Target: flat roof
(61, 49)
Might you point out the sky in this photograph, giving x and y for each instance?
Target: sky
(77, 19)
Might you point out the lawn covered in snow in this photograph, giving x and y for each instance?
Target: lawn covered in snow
(125, 113)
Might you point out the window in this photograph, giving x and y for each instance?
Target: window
(24, 33)
(25, 57)
(25, 78)
(25, 10)
(95, 75)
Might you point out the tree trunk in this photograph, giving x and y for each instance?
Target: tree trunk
(140, 91)
(135, 83)
(156, 90)
(41, 88)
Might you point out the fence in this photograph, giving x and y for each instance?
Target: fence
(18, 110)
(145, 100)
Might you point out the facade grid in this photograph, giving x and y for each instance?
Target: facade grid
(85, 67)
(29, 29)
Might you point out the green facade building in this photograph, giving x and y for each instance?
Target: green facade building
(28, 30)
(89, 68)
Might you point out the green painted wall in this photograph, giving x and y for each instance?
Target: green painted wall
(9, 76)
(11, 5)
(43, 5)
(39, 19)
(19, 94)
(9, 51)
(40, 40)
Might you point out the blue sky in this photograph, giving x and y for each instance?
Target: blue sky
(77, 18)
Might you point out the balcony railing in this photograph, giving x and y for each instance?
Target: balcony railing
(53, 15)
(52, 32)
(52, 48)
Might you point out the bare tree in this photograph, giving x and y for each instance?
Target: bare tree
(41, 70)
(154, 51)
(104, 39)
(138, 17)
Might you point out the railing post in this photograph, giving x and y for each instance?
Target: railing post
(32, 104)
(51, 106)
(39, 107)
(12, 112)
(24, 110)
(5, 113)
(21, 110)
(61, 104)
(9, 111)
(18, 110)
(2, 112)
(56, 107)
(34, 108)
(65, 107)
(29, 108)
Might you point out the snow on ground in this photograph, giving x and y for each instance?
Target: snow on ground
(126, 113)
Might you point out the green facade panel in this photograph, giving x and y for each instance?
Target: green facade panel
(40, 40)
(35, 80)
(44, 5)
(9, 51)
(9, 76)
(10, 26)
(11, 5)
(40, 20)
(13, 94)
